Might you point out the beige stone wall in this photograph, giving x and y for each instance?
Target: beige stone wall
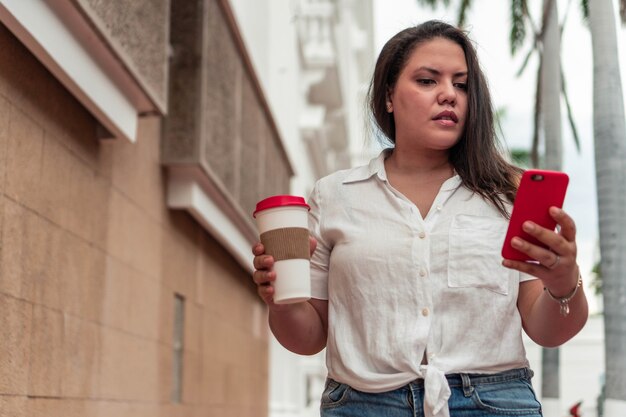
(90, 260)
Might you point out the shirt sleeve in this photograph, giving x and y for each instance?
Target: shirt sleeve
(523, 276)
(321, 257)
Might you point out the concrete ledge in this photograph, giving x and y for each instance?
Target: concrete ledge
(190, 189)
(64, 41)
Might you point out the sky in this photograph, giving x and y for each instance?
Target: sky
(488, 26)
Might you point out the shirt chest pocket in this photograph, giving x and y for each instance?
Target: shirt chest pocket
(474, 259)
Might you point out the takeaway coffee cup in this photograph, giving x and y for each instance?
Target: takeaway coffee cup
(282, 221)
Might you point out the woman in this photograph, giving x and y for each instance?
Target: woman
(417, 310)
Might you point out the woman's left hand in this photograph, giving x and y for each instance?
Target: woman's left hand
(556, 266)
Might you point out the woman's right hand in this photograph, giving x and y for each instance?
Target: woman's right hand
(264, 274)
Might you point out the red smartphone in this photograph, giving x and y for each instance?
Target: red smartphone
(538, 191)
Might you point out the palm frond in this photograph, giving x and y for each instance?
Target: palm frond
(526, 60)
(534, 150)
(570, 114)
(433, 3)
(518, 25)
(584, 13)
(463, 9)
(529, 19)
(584, 10)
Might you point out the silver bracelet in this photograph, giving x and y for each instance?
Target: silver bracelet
(564, 301)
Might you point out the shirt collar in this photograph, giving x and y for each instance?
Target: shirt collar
(377, 167)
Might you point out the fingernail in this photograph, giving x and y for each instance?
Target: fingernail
(516, 242)
(529, 227)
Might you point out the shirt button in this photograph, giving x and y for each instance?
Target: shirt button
(422, 272)
(422, 235)
(431, 356)
(439, 208)
(425, 312)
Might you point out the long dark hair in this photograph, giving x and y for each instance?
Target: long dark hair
(477, 156)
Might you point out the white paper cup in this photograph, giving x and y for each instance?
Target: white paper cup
(283, 225)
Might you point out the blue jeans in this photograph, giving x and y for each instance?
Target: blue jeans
(508, 393)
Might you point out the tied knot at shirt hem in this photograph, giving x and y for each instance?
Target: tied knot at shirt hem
(436, 392)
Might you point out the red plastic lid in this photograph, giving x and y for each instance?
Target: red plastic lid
(279, 201)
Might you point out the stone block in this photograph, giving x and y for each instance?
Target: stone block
(116, 298)
(24, 155)
(30, 88)
(59, 407)
(15, 327)
(132, 237)
(5, 109)
(213, 386)
(57, 177)
(13, 406)
(11, 276)
(184, 410)
(145, 190)
(193, 326)
(41, 261)
(30, 262)
(145, 295)
(219, 293)
(82, 279)
(121, 217)
(166, 316)
(87, 203)
(129, 367)
(165, 368)
(131, 301)
(3, 279)
(179, 266)
(127, 409)
(81, 352)
(192, 378)
(46, 353)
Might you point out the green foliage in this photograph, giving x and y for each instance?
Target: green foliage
(433, 3)
(463, 9)
(584, 9)
(518, 25)
(521, 158)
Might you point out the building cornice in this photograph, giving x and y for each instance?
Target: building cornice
(63, 38)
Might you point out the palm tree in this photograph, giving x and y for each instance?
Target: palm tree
(549, 90)
(609, 129)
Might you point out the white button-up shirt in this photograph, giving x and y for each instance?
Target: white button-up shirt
(402, 288)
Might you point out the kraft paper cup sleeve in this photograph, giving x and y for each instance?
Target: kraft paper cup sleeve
(287, 243)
